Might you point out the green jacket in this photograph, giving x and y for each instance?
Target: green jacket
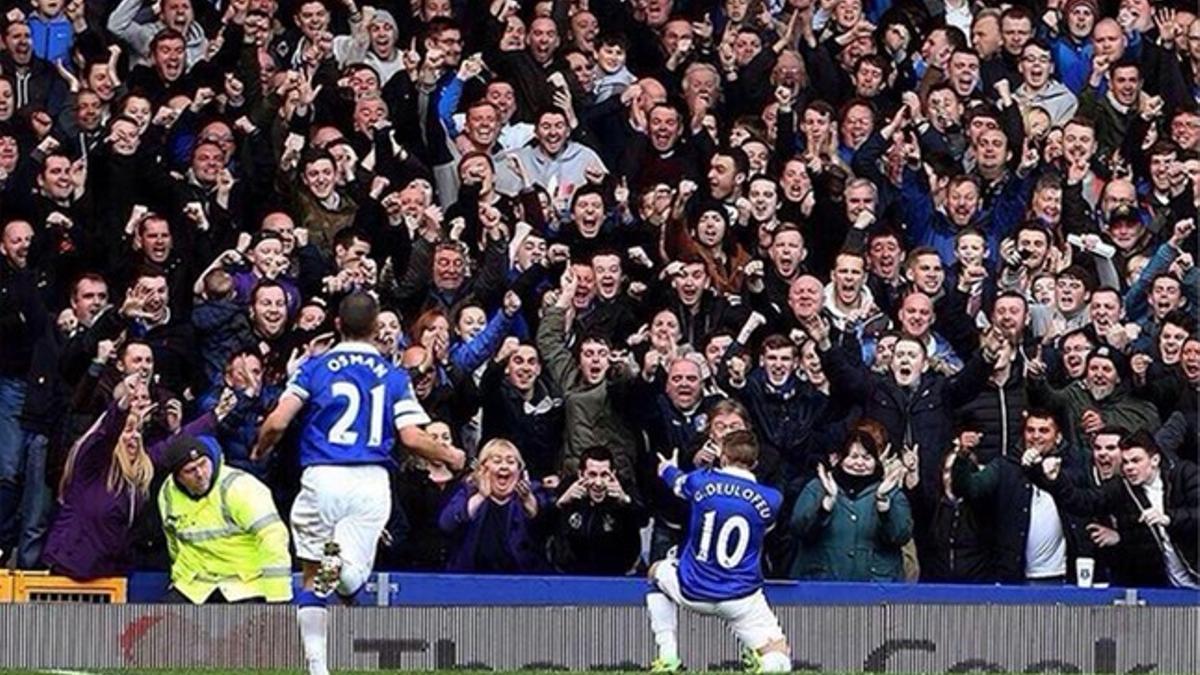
(593, 416)
(853, 543)
(1118, 409)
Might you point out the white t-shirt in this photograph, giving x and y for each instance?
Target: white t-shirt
(1045, 545)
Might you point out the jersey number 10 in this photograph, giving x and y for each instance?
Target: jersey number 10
(725, 558)
(343, 430)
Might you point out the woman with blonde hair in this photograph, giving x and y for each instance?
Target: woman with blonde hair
(494, 514)
(106, 483)
(104, 488)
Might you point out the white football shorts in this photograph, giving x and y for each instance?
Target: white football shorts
(750, 618)
(346, 504)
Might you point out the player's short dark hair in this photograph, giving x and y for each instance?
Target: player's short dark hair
(740, 447)
(357, 314)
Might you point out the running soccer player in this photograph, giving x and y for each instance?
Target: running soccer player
(354, 404)
(720, 570)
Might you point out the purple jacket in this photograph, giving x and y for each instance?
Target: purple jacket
(523, 543)
(91, 534)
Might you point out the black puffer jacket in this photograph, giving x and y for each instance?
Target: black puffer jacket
(998, 413)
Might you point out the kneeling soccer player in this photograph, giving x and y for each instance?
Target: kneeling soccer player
(720, 569)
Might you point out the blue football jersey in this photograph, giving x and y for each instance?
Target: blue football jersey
(354, 400)
(730, 515)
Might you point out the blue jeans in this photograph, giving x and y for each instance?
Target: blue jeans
(36, 502)
(25, 499)
(12, 455)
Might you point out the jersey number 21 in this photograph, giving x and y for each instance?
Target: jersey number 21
(344, 430)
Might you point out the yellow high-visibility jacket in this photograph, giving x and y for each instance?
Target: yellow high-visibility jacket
(231, 539)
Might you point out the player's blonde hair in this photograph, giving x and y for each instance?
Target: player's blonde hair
(741, 448)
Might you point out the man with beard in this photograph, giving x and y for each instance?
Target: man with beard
(521, 405)
(1024, 257)
(1102, 398)
(1156, 507)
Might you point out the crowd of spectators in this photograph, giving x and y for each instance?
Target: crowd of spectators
(938, 256)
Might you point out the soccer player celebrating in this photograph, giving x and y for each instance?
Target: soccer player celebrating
(345, 397)
(720, 571)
